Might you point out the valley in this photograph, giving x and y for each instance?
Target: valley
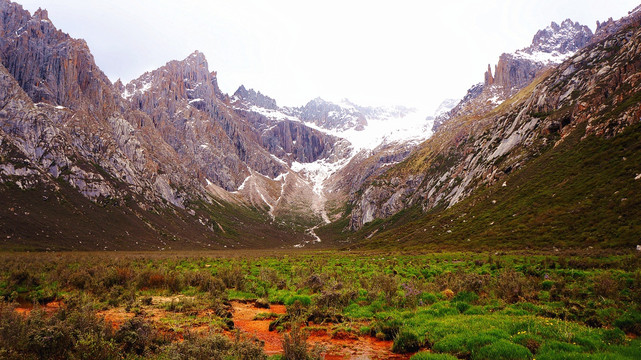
(164, 218)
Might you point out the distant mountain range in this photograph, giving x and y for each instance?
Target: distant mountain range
(168, 161)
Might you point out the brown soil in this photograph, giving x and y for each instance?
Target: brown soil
(244, 315)
(339, 346)
(25, 308)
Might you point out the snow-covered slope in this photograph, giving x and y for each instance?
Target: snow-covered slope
(362, 132)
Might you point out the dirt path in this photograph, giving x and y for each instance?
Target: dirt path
(336, 348)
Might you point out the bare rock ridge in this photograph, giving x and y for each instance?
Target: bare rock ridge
(49, 65)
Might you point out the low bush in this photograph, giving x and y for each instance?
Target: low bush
(295, 346)
(503, 350)
(432, 356)
(406, 342)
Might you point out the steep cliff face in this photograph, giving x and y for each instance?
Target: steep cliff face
(49, 65)
(595, 88)
(280, 131)
(184, 104)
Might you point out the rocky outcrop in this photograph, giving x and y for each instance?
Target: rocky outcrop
(295, 141)
(549, 46)
(593, 87)
(51, 66)
(253, 98)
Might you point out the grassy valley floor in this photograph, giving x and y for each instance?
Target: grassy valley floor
(309, 305)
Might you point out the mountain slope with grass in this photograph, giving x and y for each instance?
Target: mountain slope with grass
(557, 164)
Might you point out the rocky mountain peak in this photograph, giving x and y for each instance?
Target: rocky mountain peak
(565, 38)
(41, 14)
(186, 80)
(50, 66)
(549, 46)
(253, 97)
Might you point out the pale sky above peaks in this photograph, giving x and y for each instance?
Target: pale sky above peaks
(413, 53)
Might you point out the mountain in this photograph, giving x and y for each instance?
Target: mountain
(99, 165)
(166, 156)
(169, 161)
(556, 163)
(549, 47)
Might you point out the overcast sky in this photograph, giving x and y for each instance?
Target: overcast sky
(413, 53)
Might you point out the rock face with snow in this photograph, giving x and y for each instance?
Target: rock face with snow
(331, 116)
(549, 47)
(468, 153)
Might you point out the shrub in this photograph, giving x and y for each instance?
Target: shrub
(304, 300)
(387, 329)
(432, 356)
(385, 284)
(547, 284)
(469, 297)
(503, 350)
(92, 346)
(509, 286)
(630, 322)
(406, 342)
(315, 283)
(233, 277)
(213, 346)
(136, 336)
(605, 285)
(295, 346)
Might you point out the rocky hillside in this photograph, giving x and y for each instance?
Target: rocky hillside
(576, 110)
(99, 165)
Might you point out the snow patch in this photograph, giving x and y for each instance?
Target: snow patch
(272, 114)
(146, 85)
(242, 186)
(542, 57)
